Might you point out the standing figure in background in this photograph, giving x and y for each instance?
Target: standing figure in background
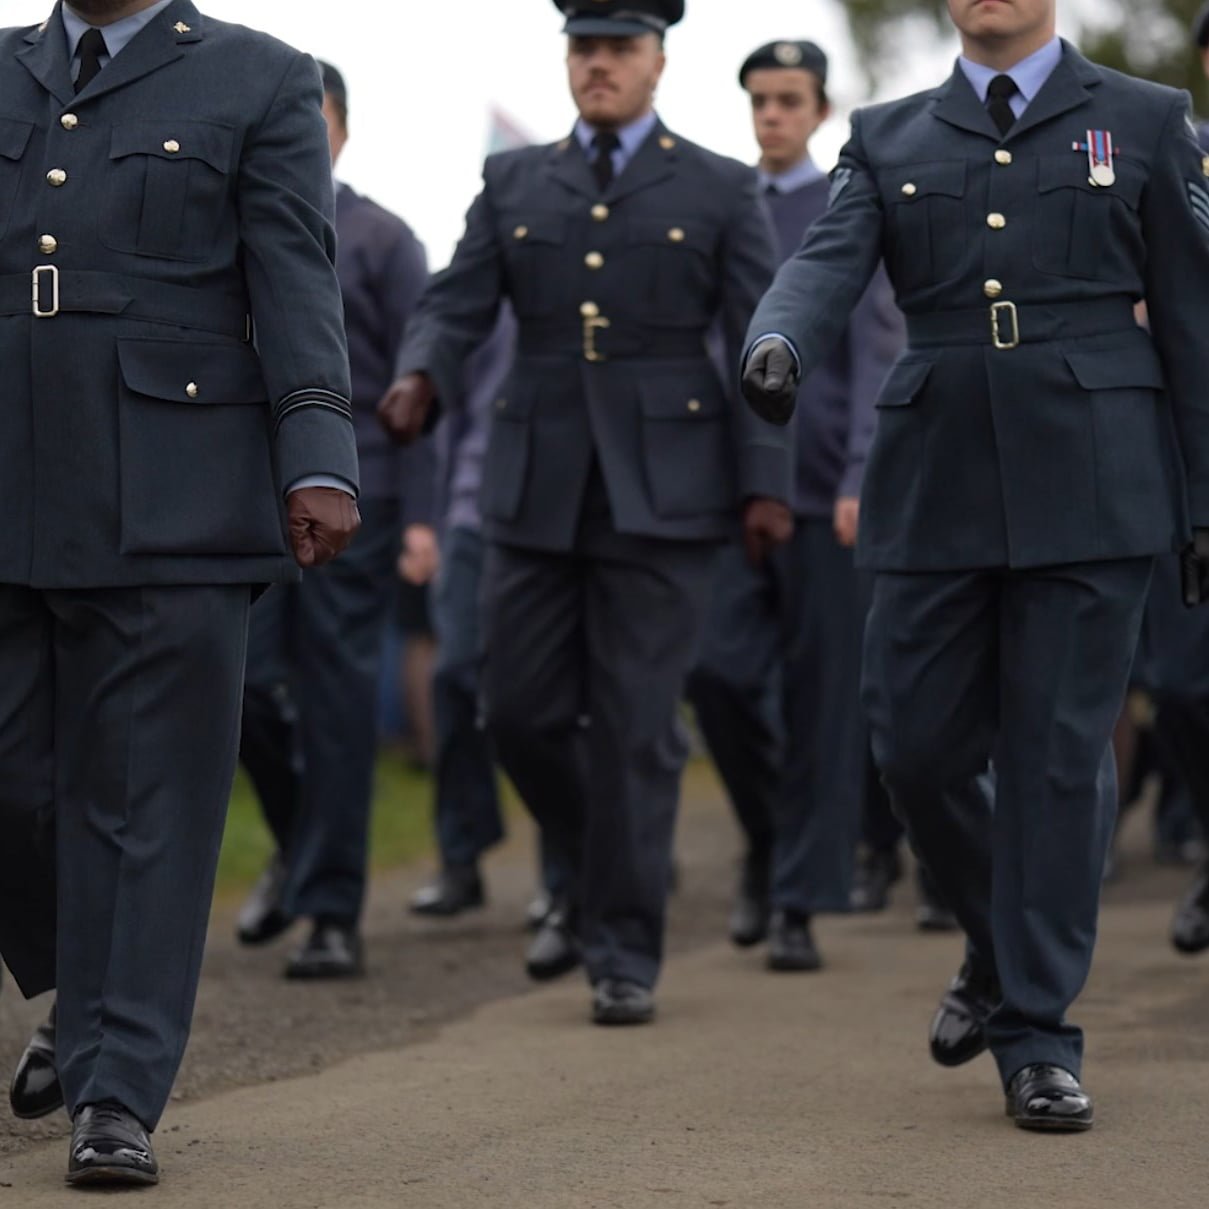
(1034, 451)
(310, 732)
(617, 463)
(166, 183)
(787, 631)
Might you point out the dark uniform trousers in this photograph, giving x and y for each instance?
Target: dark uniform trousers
(1035, 451)
(311, 709)
(793, 763)
(607, 634)
(119, 720)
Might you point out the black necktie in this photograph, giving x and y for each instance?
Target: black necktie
(999, 93)
(92, 47)
(602, 166)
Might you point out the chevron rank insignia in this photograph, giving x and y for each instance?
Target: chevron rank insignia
(1198, 196)
(840, 179)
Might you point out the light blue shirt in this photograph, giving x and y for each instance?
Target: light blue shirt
(1029, 75)
(803, 173)
(632, 137)
(117, 35)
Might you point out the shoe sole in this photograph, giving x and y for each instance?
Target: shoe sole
(35, 1116)
(263, 936)
(1049, 1124)
(548, 973)
(111, 1177)
(325, 975)
(748, 940)
(443, 913)
(621, 1020)
(784, 965)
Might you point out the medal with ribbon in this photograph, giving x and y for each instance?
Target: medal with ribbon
(1100, 157)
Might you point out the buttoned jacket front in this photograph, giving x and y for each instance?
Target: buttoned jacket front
(170, 321)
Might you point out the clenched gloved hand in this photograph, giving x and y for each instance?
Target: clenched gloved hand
(770, 380)
(403, 411)
(323, 521)
(767, 524)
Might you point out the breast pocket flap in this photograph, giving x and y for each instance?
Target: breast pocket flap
(1073, 171)
(663, 399)
(169, 140)
(910, 183)
(190, 372)
(14, 137)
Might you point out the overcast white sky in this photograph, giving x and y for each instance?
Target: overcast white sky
(423, 74)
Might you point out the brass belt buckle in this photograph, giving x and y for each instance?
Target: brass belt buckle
(594, 321)
(1004, 308)
(39, 311)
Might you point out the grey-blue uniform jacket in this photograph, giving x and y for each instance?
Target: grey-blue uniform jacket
(179, 204)
(613, 296)
(1089, 438)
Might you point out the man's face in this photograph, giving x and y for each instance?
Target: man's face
(613, 80)
(996, 20)
(337, 130)
(786, 109)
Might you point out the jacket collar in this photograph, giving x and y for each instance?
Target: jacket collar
(654, 161)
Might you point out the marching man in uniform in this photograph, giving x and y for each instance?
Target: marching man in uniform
(1035, 450)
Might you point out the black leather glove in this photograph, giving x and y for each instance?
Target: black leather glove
(1194, 569)
(770, 380)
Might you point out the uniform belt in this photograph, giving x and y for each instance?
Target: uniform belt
(1005, 325)
(615, 339)
(49, 291)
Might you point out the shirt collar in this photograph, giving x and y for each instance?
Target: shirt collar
(804, 172)
(632, 136)
(117, 35)
(1029, 74)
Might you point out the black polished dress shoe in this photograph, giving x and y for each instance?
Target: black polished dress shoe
(876, 871)
(1050, 1098)
(555, 949)
(932, 915)
(752, 911)
(540, 905)
(616, 1001)
(333, 950)
(1190, 928)
(958, 1033)
(262, 917)
(109, 1146)
(35, 1090)
(790, 945)
(458, 888)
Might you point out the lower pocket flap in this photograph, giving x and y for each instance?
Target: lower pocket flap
(679, 399)
(1110, 369)
(906, 380)
(192, 372)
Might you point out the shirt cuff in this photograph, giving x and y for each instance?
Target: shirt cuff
(322, 480)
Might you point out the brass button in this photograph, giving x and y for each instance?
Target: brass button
(56, 177)
(992, 288)
(172, 146)
(192, 390)
(996, 222)
(69, 121)
(909, 190)
(520, 233)
(48, 244)
(676, 235)
(694, 405)
(600, 212)
(1003, 157)
(667, 142)
(589, 310)
(594, 260)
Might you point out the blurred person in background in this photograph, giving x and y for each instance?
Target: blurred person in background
(309, 737)
(617, 462)
(776, 686)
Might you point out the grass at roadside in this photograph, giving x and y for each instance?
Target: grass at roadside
(402, 825)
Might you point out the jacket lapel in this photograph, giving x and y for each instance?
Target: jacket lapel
(155, 46)
(45, 57)
(957, 103)
(653, 162)
(1068, 87)
(569, 166)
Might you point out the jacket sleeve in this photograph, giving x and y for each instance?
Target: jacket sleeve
(817, 288)
(286, 203)
(459, 307)
(399, 284)
(765, 451)
(1175, 225)
(876, 336)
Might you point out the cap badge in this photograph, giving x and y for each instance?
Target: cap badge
(787, 54)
